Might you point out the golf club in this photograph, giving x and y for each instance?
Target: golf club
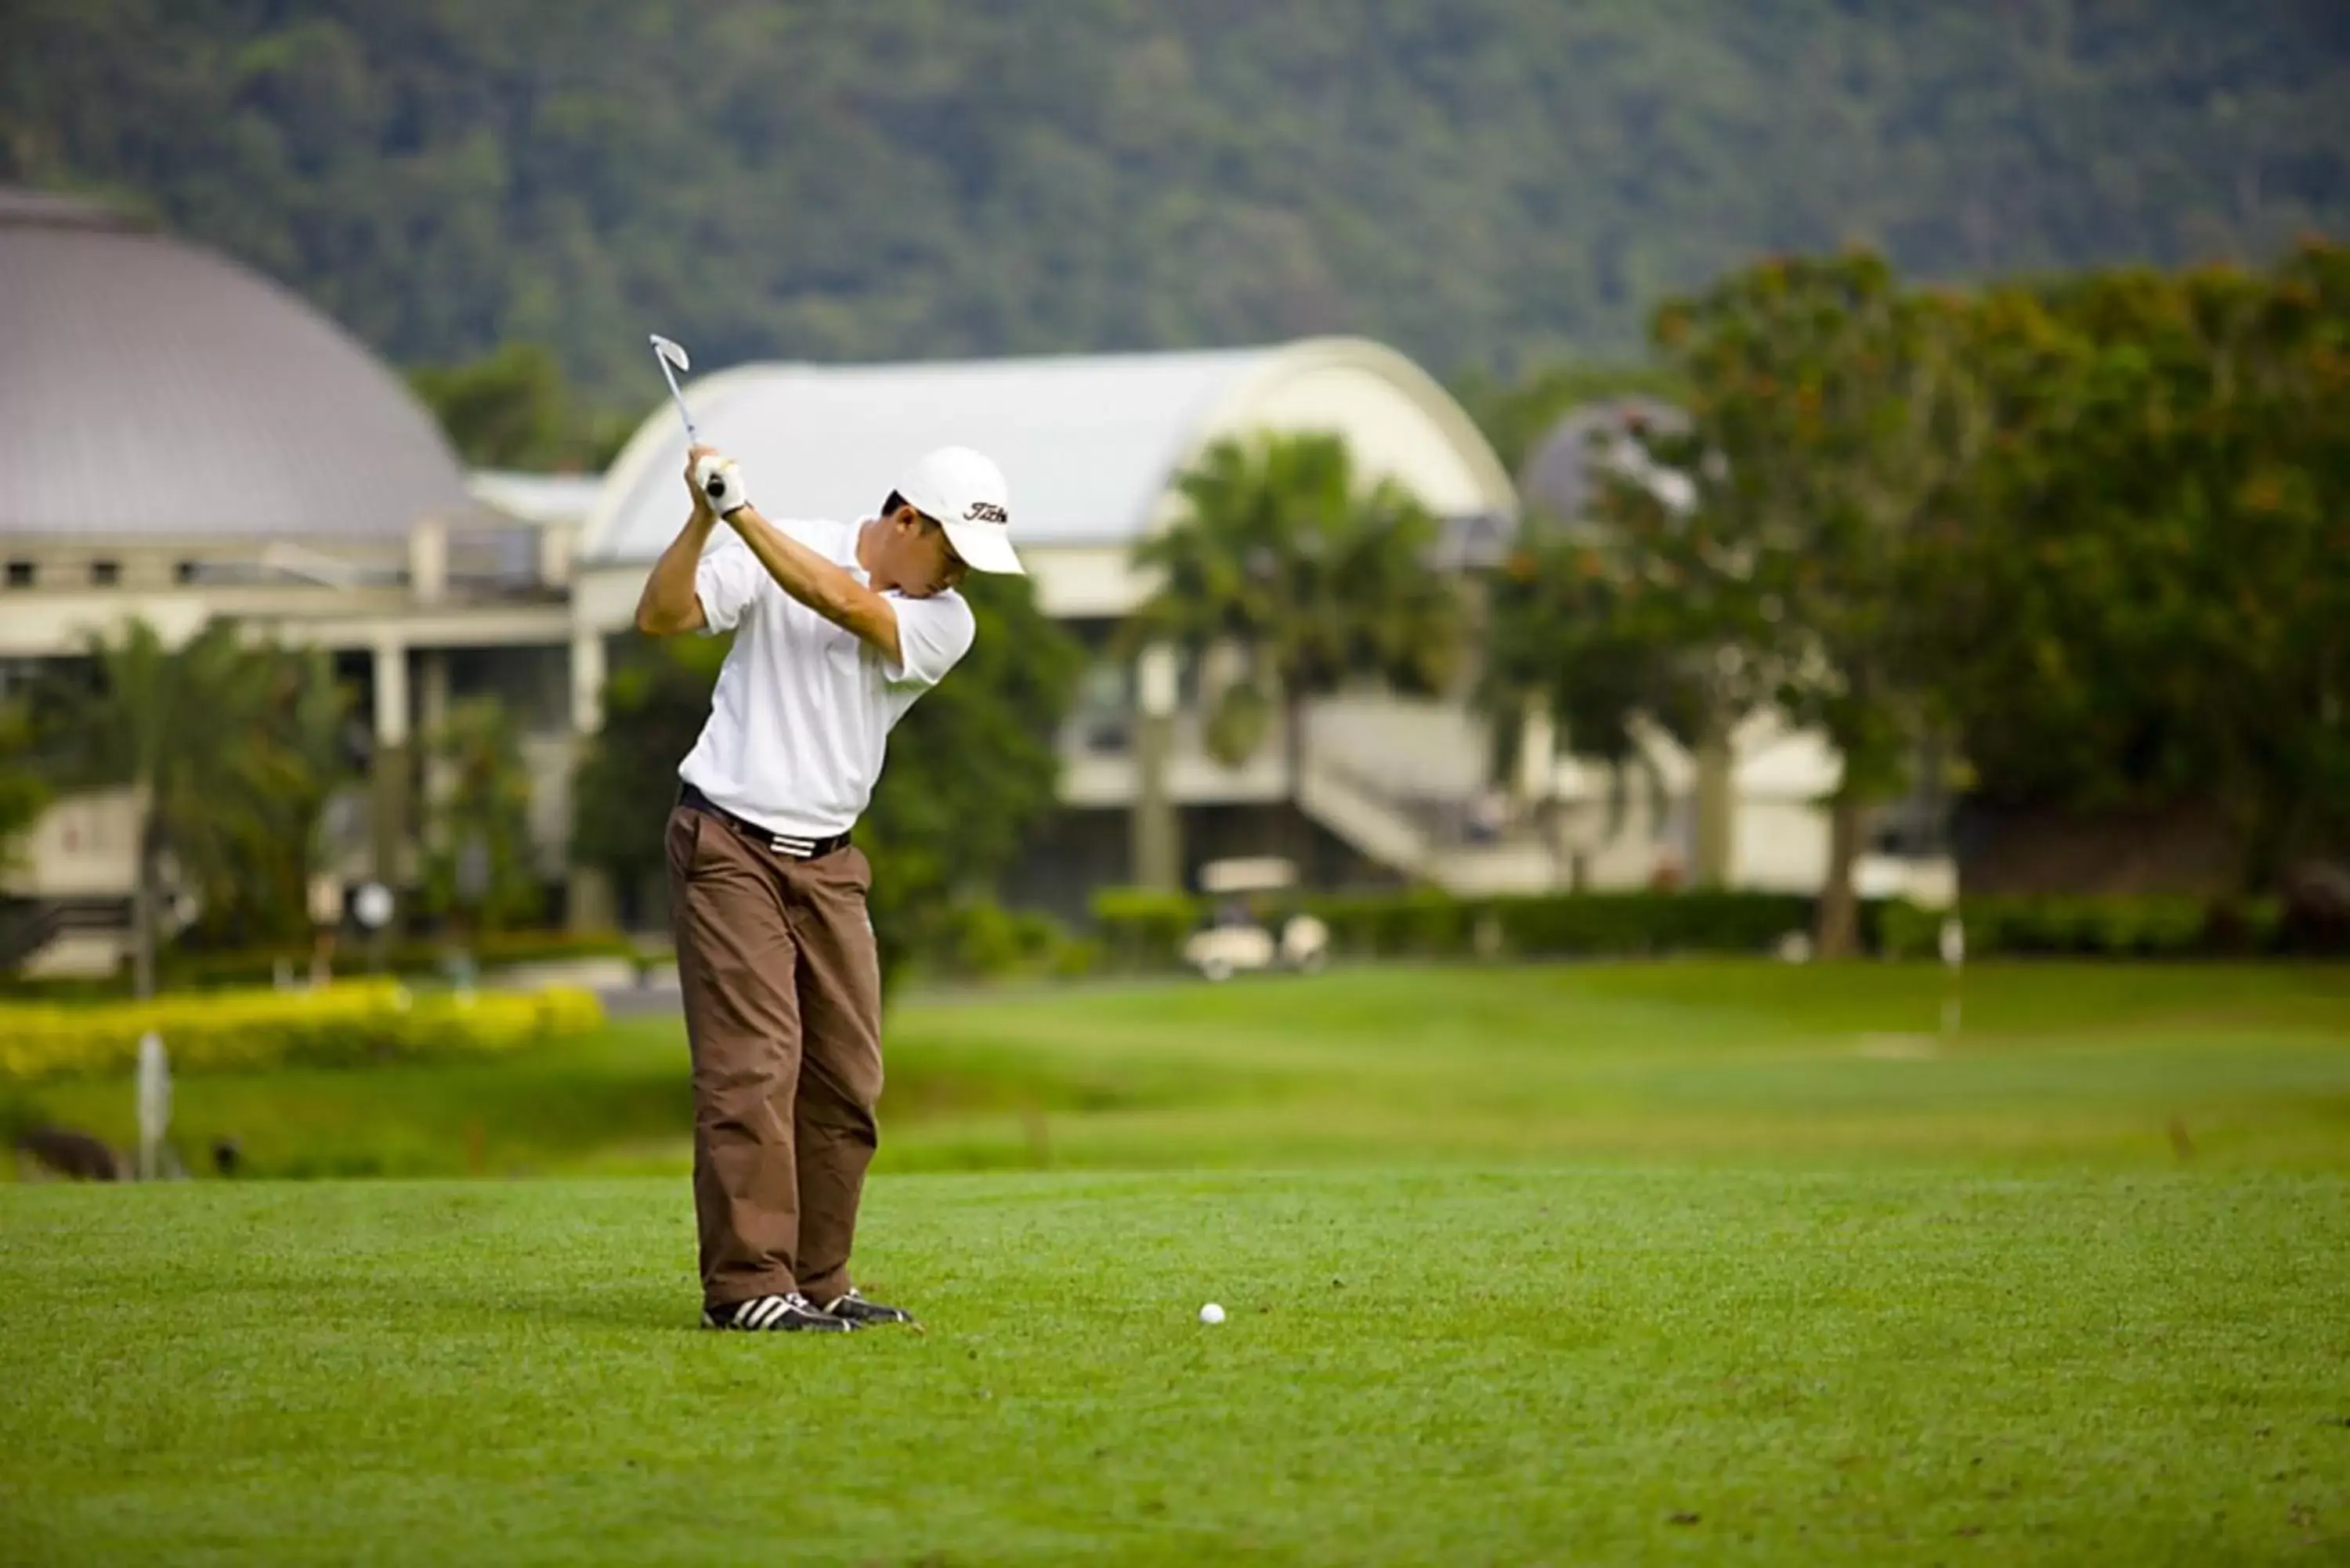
(706, 474)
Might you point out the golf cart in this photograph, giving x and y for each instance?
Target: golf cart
(1236, 938)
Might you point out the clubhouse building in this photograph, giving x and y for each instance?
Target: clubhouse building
(182, 440)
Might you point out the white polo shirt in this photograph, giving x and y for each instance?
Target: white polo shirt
(803, 711)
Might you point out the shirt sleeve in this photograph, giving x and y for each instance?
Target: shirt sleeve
(727, 580)
(933, 634)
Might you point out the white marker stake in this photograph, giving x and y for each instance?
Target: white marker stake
(1954, 960)
(154, 1104)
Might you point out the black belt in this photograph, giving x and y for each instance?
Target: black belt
(786, 843)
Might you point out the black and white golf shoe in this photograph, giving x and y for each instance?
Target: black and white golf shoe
(854, 1308)
(793, 1313)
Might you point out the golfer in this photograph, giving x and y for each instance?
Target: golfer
(840, 627)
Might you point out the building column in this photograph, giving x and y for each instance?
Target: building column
(587, 680)
(389, 772)
(590, 901)
(1536, 784)
(1537, 752)
(428, 561)
(431, 692)
(431, 725)
(1157, 831)
(1716, 804)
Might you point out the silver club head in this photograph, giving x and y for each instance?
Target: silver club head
(673, 359)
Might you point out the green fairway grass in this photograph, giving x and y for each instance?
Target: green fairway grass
(1705, 1261)
(2052, 1066)
(1562, 1365)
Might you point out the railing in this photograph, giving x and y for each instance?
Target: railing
(1439, 839)
(1446, 821)
(26, 927)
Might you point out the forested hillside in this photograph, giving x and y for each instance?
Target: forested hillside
(1485, 182)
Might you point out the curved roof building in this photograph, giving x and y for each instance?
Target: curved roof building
(1090, 444)
(152, 391)
(1563, 472)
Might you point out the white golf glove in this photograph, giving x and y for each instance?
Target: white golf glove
(720, 480)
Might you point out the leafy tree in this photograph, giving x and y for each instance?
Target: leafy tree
(23, 793)
(1486, 183)
(264, 898)
(1516, 413)
(1313, 577)
(655, 702)
(513, 409)
(972, 768)
(1834, 424)
(210, 738)
(2147, 606)
(478, 866)
(1596, 627)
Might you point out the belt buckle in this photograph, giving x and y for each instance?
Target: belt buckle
(796, 848)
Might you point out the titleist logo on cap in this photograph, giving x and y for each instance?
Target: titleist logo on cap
(986, 511)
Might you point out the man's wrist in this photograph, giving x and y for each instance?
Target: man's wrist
(720, 481)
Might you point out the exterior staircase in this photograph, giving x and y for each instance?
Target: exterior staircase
(79, 935)
(1398, 780)
(26, 926)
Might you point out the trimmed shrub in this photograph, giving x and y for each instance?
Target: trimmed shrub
(346, 1025)
(1415, 923)
(991, 942)
(2085, 926)
(419, 957)
(1143, 929)
(1581, 924)
(1423, 923)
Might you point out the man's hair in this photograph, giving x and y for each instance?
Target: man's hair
(890, 509)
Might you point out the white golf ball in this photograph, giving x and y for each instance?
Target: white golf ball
(1211, 1313)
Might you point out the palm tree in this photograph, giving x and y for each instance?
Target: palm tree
(1314, 576)
(24, 794)
(216, 740)
(478, 866)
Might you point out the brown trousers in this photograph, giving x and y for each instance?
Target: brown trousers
(783, 1009)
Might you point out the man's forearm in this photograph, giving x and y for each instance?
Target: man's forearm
(668, 604)
(823, 585)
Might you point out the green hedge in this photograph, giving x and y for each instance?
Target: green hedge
(2085, 926)
(1143, 929)
(1420, 923)
(1424, 924)
(1575, 924)
(1140, 928)
(984, 941)
(336, 1025)
(415, 956)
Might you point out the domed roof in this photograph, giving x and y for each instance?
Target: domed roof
(1561, 476)
(151, 390)
(1090, 443)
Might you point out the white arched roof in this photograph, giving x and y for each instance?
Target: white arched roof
(1088, 443)
(155, 390)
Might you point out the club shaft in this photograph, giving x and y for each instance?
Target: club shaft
(693, 436)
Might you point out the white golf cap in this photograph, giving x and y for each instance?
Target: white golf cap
(965, 495)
